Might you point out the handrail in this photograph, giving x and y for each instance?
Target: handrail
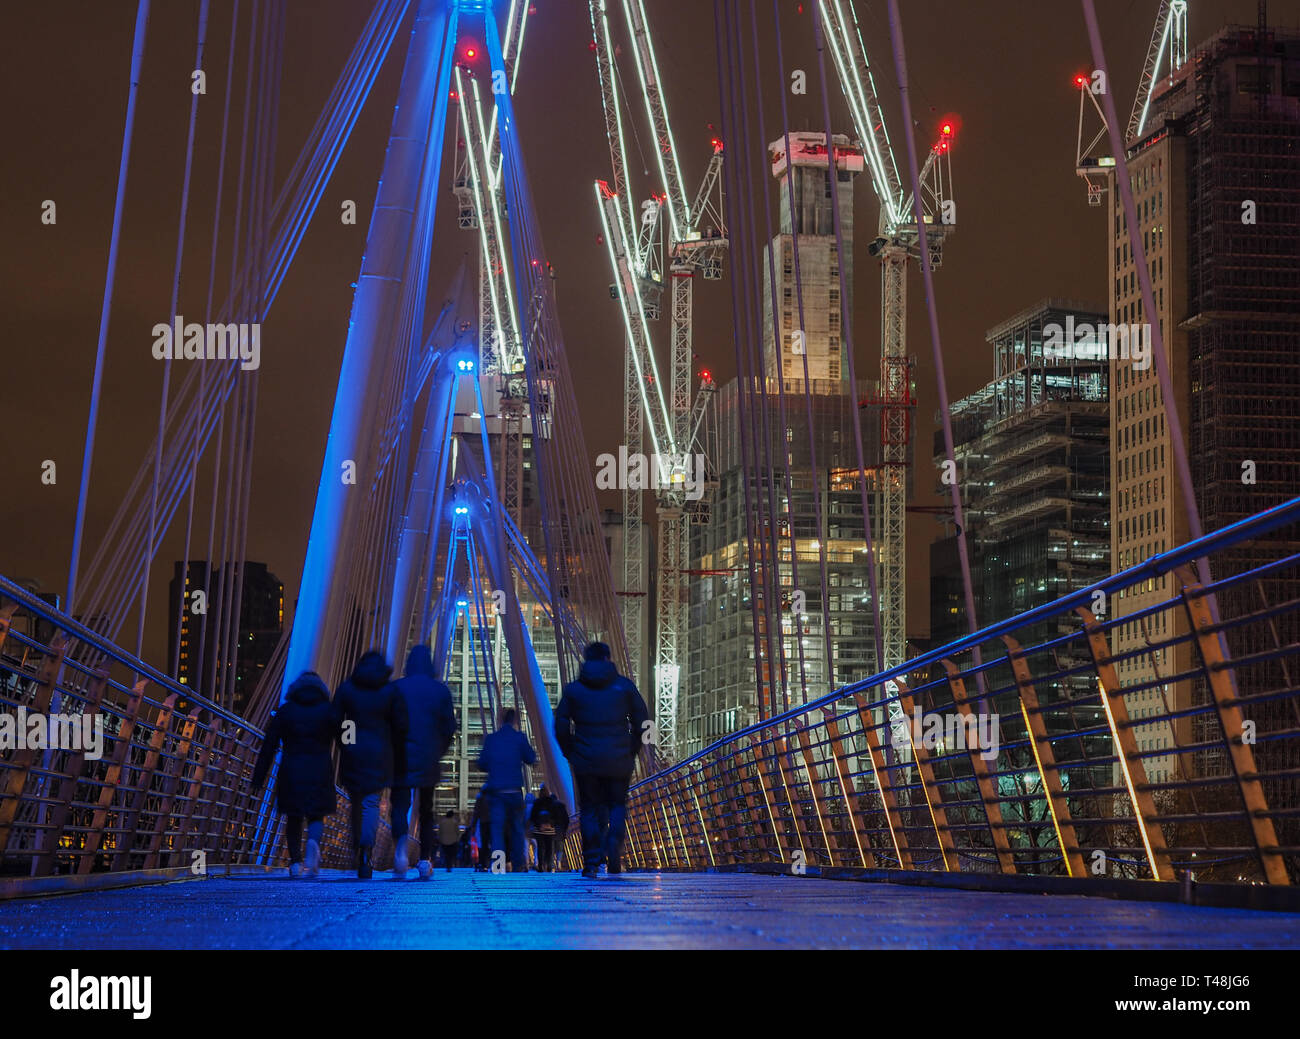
(1244, 530)
(38, 606)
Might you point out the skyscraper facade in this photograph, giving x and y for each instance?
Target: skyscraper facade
(819, 514)
(223, 662)
(1217, 189)
(1032, 459)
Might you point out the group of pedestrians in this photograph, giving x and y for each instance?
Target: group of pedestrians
(393, 735)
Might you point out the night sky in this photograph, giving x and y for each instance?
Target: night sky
(1024, 229)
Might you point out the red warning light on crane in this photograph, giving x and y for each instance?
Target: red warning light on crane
(946, 129)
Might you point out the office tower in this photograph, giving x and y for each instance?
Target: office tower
(221, 661)
(1216, 188)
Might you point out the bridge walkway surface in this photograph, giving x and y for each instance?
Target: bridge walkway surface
(468, 910)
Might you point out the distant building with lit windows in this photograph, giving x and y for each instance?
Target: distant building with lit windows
(228, 669)
(1223, 130)
(1032, 460)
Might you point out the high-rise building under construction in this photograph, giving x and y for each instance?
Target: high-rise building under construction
(824, 640)
(1217, 189)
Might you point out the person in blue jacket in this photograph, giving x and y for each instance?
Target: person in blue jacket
(504, 755)
(372, 737)
(305, 726)
(431, 719)
(599, 725)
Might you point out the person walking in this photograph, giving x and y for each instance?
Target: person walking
(504, 755)
(373, 725)
(478, 826)
(448, 839)
(431, 720)
(561, 825)
(544, 819)
(304, 726)
(598, 725)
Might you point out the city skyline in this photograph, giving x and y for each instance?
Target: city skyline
(311, 320)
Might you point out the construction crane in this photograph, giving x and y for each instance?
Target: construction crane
(897, 242)
(667, 234)
(1167, 51)
(478, 189)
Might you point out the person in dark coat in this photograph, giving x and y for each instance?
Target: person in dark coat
(478, 829)
(449, 839)
(432, 724)
(373, 726)
(305, 726)
(504, 755)
(561, 824)
(599, 724)
(544, 820)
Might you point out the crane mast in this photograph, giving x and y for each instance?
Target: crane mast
(684, 240)
(1167, 51)
(897, 242)
(1169, 37)
(478, 189)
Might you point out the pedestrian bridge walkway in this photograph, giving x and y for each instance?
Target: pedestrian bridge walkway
(468, 910)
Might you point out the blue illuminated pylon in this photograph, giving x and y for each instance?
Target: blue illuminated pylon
(398, 244)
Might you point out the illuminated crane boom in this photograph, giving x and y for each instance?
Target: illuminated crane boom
(694, 240)
(1169, 37)
(898, 241)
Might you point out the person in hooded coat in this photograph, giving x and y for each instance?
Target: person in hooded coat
(373, 726)
(544, 818)
(304, 726)
(503, 757)
(432, 724)
(599, 724)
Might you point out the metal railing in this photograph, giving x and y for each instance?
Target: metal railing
(1177, 752)
(168, 784)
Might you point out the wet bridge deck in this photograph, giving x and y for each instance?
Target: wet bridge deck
(464, 910)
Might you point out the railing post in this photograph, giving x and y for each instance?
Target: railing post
(723, 843)
(766, 787)
(755, 815)
(1045, 759)
(929, 785)
(1218, 674)
(112, 779)
(144, 777)
(706, 838)
(171, 778)
(224, 795)
(884, 783)
(676, 795)
(852, 799)
(645, 834)
(983, 777)
(1131, 763)
(194, 791)
(810, 768)
(634, 812)
(6, 621)
(64, 789)
(13, 780)
(654, 826)
(246, 754)
(785, 764)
